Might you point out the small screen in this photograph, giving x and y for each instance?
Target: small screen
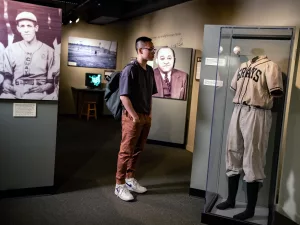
(93, 80)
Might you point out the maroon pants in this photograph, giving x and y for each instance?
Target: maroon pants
(134, 137)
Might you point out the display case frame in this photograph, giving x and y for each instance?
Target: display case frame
(267, 34)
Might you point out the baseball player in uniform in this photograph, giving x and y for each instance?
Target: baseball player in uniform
(27, 63)
(255, 83)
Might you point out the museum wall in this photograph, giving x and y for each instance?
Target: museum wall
(75, 76)
(167, 26)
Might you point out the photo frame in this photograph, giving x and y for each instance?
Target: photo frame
(107, 74)
(92, 53)
(198, 68)
(173, 73)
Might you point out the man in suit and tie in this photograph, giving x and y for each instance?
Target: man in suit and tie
(170, 82)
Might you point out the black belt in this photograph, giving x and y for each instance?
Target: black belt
(254, 106)
(31, 82)
(30, 78)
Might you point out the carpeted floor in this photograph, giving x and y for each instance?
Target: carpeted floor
(85, 169)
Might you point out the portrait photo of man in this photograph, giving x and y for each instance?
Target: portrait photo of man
(171, 83)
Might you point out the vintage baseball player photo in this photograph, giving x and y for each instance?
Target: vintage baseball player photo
(30, 42)
(92, 53)
(171, 71)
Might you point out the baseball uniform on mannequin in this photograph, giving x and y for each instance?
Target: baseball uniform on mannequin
(255, 83)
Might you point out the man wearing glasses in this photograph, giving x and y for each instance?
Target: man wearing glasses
(137, 85)
(27, 63)
(170, 82)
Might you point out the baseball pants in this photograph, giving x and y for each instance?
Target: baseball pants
(247, 142)
(20, 89)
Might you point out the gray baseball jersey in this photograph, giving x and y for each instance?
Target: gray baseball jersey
(28, 68)
(20, 63)
(255, 82)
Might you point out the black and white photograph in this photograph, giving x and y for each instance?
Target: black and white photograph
(30, 46)
(92, 53)
(171, 71)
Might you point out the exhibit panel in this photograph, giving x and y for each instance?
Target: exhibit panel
(172, 71)
(27, 155)
(30, 48)
(250, 84)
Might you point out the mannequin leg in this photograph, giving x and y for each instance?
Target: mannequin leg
(233, 185)
(252, 193)
(256, 125)
(234, 155)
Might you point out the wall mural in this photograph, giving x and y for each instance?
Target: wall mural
(30, 41)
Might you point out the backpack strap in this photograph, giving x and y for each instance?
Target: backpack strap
(131, 64)
(134, 66)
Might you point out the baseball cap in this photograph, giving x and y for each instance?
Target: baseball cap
(26, 16)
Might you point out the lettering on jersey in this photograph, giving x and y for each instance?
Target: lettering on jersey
(250, 73)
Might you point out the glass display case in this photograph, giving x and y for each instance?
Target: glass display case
(252, 72)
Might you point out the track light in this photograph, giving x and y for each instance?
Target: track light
(71, 19)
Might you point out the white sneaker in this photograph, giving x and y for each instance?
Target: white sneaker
(133, 185)
(123, 193)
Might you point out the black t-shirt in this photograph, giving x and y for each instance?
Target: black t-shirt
(139, 85)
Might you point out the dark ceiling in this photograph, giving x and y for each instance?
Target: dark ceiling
(105, 11)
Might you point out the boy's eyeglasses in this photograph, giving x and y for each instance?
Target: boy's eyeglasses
(150, 49)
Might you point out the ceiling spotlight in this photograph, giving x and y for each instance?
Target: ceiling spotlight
(77, 20)
(98, 2)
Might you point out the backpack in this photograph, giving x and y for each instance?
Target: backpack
(112, 94)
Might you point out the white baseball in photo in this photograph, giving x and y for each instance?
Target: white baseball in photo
(220, 49)
(236, 50)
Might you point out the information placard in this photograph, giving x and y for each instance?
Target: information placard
(24, 110)
(217, 83)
